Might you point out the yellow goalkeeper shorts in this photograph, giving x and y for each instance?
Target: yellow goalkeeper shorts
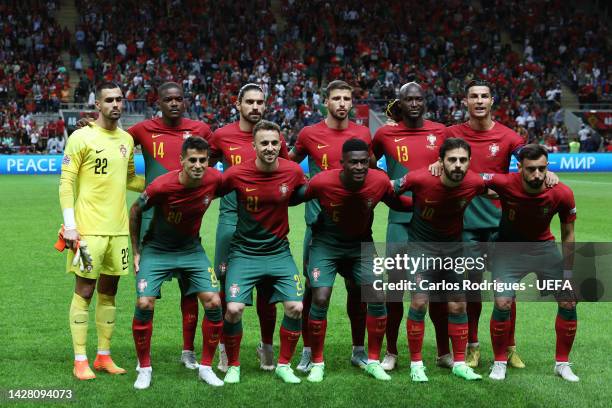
(109, 253)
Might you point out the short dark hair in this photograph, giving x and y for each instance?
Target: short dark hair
(169, 85)
(195, 143)
(106, 85)
(337, 84)
(453, 143)
(248, 87)
(478, 82)
(354, 145)
(265, 125)
(532, 151)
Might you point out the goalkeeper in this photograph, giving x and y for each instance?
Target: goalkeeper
(97, 167)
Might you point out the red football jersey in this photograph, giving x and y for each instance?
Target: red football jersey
(438, 209)
(491, 149)
(348, 215)
(527, 217)
(407, 149)
(323, 145)
(491, 153)
(263, 201)
(161, 144)
(178, 209)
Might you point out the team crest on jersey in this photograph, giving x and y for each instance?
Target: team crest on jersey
(123, 151)
(206, 200)
(142, 285)
(316, 272)
(493, 149)
(284, 189)
(66, 160)
(234, 290)
(431, 139)
(186, 134)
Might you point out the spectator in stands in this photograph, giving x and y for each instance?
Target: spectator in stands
(574, 146)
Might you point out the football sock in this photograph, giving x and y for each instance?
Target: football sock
(212, 326)
(232, 333)
(395, 313)
(438, 313)
(223, 310)
(473, 312)
(317, 329)
(266, 312)
(105, 320)
(79, 317)
(142, 330)
(306, 305)
(415, 327)
(511, 341)
(565, 327)
(499, 328)
(376, 322)
(189, 310)
(356, 310)
(289, 336)
(458, 332)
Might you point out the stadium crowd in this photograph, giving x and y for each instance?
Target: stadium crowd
(214, 48)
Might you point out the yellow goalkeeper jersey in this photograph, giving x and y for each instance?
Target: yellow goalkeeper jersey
(97, 167)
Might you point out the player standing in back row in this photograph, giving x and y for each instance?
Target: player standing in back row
(493, 145)
(322, 143)
(161, 140)
(411, 144)
(233, 144)
(98, 164)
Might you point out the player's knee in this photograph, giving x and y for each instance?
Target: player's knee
(145, 303)
(419, 304)
(234, 311)
(212, 302)
(502, 303)
(321, 298)
(293, 309)
(456, 307)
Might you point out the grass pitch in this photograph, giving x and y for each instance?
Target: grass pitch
(37, 350)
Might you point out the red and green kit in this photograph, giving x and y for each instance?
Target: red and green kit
(259, 249)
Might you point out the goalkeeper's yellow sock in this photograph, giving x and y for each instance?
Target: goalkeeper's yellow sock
(105, 321)
(79, 316)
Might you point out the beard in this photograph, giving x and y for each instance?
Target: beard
(535, 184)
(455, 176)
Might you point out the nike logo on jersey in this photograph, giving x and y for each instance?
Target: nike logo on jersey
(232, 148)
(156, 135)
(248, 190)
(107, 322)
(99, 151)
(428, 201)
(321, 146)
(335, 204)
(84, 321)
(399, 140)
